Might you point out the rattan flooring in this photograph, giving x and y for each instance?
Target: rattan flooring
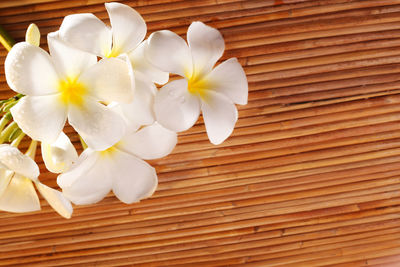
(310, 176)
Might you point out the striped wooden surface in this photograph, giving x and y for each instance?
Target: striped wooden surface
(310, 176)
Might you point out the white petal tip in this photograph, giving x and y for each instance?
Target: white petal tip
(56, 200)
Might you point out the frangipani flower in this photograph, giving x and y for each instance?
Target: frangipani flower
(70, 84)
(59, 156)
(214, 91)
(17, 194)
(120, 168)
(124, 38)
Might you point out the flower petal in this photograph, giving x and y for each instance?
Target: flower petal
(56, 200)
(169, 52)
(86, 32)
(130, 125)
(98, 125)
(86, 160)
(59, 156)
(229, 79)
(176, 108)
(135, 178)
(19, 196)
(5, 178)
(140, 110)
(88, 181)
(12, 158)
(110, 80)
(142, 65)
(220, 116)
(128, 27)
(207, 46)
(70, 62)
(40, 117)
(150, 142)
(30, 71)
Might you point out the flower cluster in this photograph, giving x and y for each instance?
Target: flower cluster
(102, 80)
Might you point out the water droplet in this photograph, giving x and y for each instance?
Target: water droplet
(171, 93)
(182, 100)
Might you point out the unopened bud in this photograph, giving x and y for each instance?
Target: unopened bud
(32, 35)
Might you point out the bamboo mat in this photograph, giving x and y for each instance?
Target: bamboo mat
(310, 176)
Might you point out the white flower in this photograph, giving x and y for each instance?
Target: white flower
(17, 194)
(70, 84)
(59, 156)
(120, 168)
(214, 91)
(128, 29)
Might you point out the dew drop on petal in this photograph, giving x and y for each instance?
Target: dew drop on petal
(172, 93)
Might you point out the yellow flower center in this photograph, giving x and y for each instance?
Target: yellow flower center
(72, 92)
(114, 52)
(198, 87)
(108, 152)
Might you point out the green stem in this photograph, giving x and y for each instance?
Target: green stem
(31, 152)
(8, 106)
(84, 145)
(17, 140)
(3, 122)
(5, 39)
(5, 134)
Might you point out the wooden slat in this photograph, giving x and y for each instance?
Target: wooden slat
(309, 177)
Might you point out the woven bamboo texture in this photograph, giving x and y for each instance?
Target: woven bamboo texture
(310, 176)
